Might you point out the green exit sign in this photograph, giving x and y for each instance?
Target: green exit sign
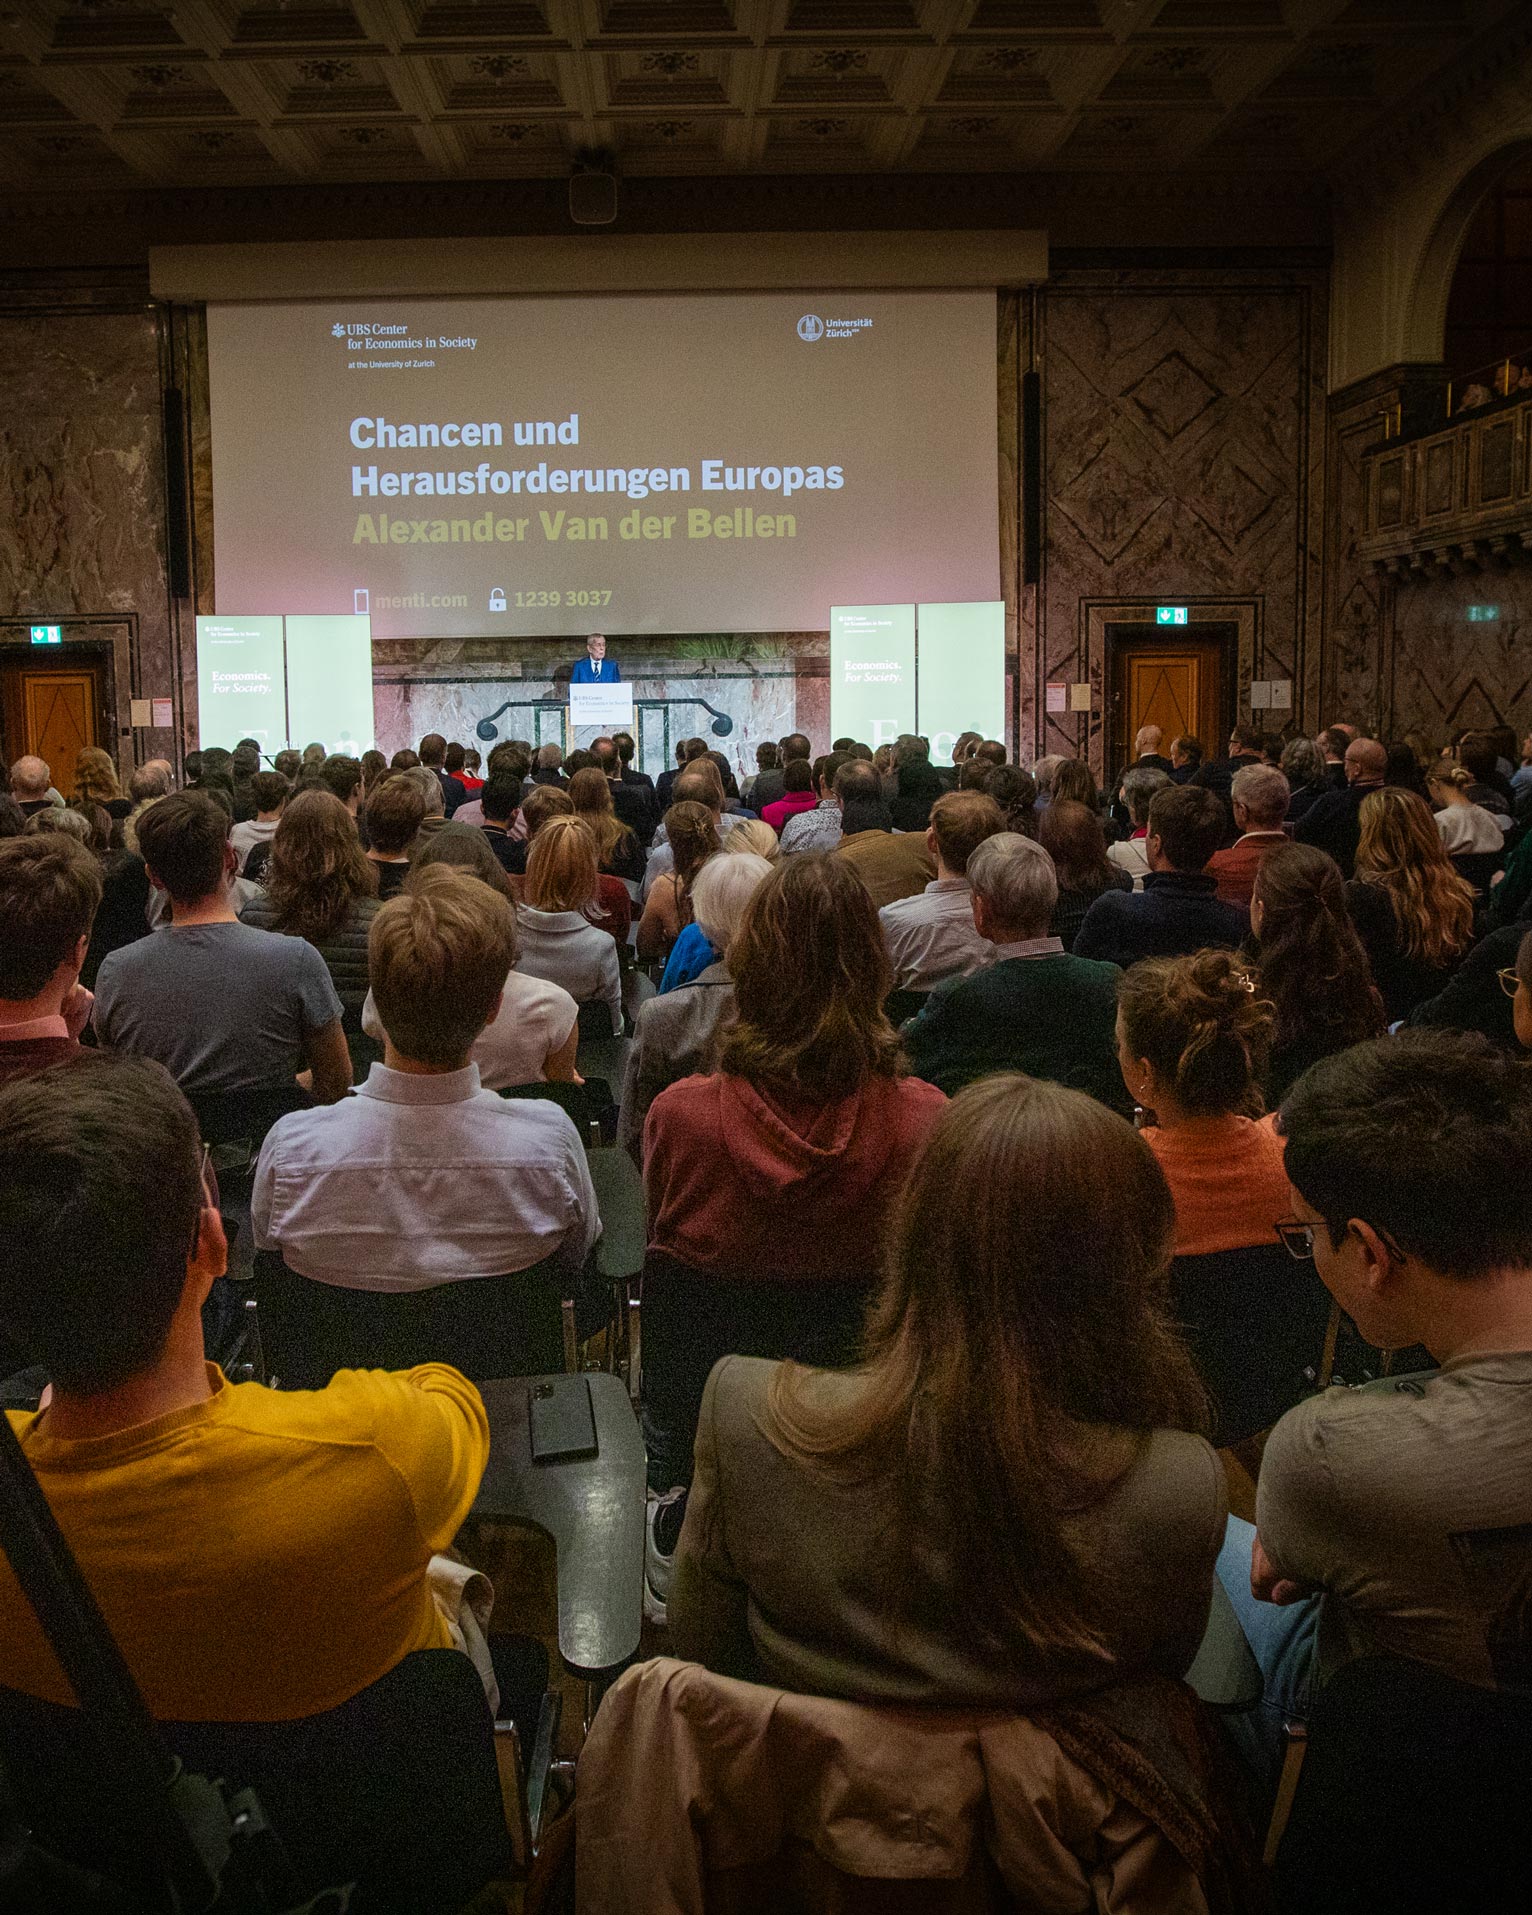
(1482, 614)
(1170, 614)
(47, 634)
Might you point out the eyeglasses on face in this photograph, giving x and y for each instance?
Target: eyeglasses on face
(1297, 1239)
(1510, 981)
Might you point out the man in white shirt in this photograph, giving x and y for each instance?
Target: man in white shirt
(423, 1177)
(932, 936)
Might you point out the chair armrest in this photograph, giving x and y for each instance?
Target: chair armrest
(524, 1780)
(1225, 1673)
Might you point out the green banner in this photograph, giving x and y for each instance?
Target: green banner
(329, 682)
(962, 673)
(872, 672)
(240, 692)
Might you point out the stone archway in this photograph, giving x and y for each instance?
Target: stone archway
(1430, 282)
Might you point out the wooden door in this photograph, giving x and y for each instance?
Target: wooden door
(1180, 684)
(52, 711)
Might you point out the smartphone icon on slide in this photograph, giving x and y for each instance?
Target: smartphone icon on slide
(359, 601)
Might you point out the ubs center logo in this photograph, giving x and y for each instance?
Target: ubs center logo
(810, 328)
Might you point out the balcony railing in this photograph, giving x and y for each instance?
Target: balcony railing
(1454, 499)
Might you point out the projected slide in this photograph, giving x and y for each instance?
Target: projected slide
(872, 672)
(241, 686)
(961, 680)
(295, 681)
(544, 467)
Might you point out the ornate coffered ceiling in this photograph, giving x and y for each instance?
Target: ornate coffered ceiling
(247, 92)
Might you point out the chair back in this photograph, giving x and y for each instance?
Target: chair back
(1478, 868)
(692, 1318)
(1415, 1797)
(586, 1103)
(244, 1116)
(900, 1006)
(1255, 1320)
(396, 1790)
(485, 1327)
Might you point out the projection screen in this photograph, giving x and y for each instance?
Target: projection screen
(533, 467)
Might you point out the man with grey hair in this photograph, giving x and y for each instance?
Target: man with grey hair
(31, 783)
(430, 789)
(1139, 784)
(1036, 1008)
(1260, 796)
(546, 767)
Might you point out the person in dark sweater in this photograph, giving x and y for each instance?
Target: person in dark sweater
(501, 799)
(1034, 1008)
(1332, 822)
(1246, 747)
(50, 887)
(1474, 997)
(1178, 911)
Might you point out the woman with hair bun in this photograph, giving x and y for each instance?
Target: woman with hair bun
(1194, 1042)
(1466, 827)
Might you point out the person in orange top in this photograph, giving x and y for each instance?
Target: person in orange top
(258, 1556)
(1193, 1037)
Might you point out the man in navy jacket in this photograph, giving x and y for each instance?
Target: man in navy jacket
(1178, 911)
(596, 668)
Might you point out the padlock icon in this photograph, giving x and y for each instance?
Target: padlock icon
(497, 599)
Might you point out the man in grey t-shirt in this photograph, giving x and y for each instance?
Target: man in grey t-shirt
(222, 1005)
(1397, 1520)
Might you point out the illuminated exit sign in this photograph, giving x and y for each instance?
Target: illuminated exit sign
(1170, 614)
(1482, 614)
(47, 634)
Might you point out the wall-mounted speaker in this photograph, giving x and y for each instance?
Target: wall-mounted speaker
(1031, 478)
(593, 198)
(178, 557)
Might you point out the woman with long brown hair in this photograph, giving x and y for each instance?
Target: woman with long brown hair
(618, 852)
(319, 885)
(1412, 911)
(1008, 1501)
(1312, 968)
(96, 782)
(1071, 834)
(693, 838)
(558, 941)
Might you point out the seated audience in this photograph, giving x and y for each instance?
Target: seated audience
(691, 835)
(50, 889)
(1246, 747)
(32, 785)
(499, 800)
(506, 760)
(1071, 834)
(256, 1554)
(1259, 795)
(1193, 1038)
(1333, 821)
(633, 804)
(695, 949)
(1008, 1501)
(768, 757)
(780, 1163)
(424, 1177)
(1015, 791)
(341, 775)
(698, 784)
(96, 782)
(1475, 997)
(396, 810)
(1412, 911)
(756, 836)
(1139, 784)
(1033, 1007)
(546, 767)
(618, 852)
(770, 782)
(1147, 755)
(1178, 910)
(222, 1005)
(1185, 757)
(1399, 1522)
(1311, 965)
(892, 864)
(1303, 766)
(1480, 758)
(675, 1033)
(320, 885)
(433, 756)
(799, 795)
(932, 936)
(1466, 827)
(268, 794)
(558, 940)
(917, 785)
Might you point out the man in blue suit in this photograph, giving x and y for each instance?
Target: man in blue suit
(596, 668)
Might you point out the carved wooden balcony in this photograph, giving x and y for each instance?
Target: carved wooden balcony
(1457, 499)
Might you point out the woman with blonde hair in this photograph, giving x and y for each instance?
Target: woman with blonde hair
(1466, 828)
(618, 852)
(1009, 1501)
(558, 941)
(1193, 1044)
(754, 834)
(319, 885)
(1412, 911)
(692, 836)
(96, 782)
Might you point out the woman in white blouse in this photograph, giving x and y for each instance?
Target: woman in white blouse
(558, 941)
(1465, 826)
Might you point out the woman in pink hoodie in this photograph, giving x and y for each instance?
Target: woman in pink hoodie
(781, 1167)
(798, 783)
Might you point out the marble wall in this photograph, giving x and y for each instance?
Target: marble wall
(82, 483)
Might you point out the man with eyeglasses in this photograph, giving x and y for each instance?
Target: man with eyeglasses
(1398, 1520)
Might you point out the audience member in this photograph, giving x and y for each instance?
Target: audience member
(698, 784)
(31, 785)
(768, 757)
(374, 770)
(618, 852)
(1185, 757)
(1033, 1007)
(1334, 742)
(1332, 822)
(1259, 796)
(1475, 998)
(1412, 911)
(256, 1554)
(1402, 768)
(96, 781)
(632, 803)
(424, 1177)
(1023, 1402)
(1071, 834)
(1303, 767)
(1491, 787)
(1312, 967)
(819, 829)
(891, 864)
(1217, 774)
(1147, 755)
(1193, 1039)
(433, 755)
(1395, 1522)
(799, 795)
(50, 889)
(396, 809)
(123, 915)
(1015, 791)
(918, 785)
(691, 832)
(268, 794)
(321, 886)
(756, 836)
(686, 750)
(558, 940)
(222, 1005)
(697, 947)
(1139, 784)
(931, 936)
(499, 801)
(1073, 782)
(1177, 911)
(1466, 827)
(342, 776)
(770, 782)
(675, 1033)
